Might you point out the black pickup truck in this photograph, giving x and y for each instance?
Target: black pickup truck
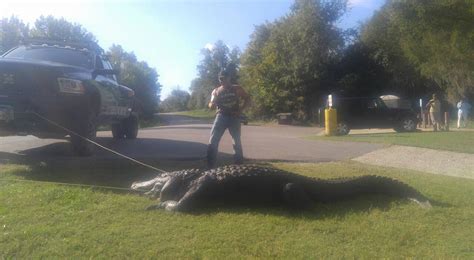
(48, 89)
(372, 112)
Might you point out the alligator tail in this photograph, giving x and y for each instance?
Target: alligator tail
(372, 184)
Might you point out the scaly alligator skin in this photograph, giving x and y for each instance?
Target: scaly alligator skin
(188, 190)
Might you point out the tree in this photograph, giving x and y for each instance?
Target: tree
(61, 30)
(426, 46)
(138, 76)
(438, 38)
(286, 63)
(176, 101)
(215, 59)
(380, 40)
(357, 73)
(12, 32)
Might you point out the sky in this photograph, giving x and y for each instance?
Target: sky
(170, 34)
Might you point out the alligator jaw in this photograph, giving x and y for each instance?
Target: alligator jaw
(154, 185)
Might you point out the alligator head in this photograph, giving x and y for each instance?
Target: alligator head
(152, 187)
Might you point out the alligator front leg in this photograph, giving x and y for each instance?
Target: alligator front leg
(194, 198)
(170, 190)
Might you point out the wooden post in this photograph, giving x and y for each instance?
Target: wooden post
(430, 122)
(319, 118)
(428, 118)
(424, 118)
(446, 121)
(420, 119)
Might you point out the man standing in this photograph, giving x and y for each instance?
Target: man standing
(434, 106)
(463, 112)
(230, 101)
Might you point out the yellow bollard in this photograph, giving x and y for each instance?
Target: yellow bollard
(330, 119)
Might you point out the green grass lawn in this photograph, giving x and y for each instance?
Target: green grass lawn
(457, 141)
(210, 115)
(45, 220)
(454, 123)
(199, 113)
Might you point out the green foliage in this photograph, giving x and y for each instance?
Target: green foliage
(177, 101)
(438, 37)
(61, 30)
(286, 63)
(138, 76)
(215, 59)
(12, 32)
(425, 45)
(381, 40)
(358, 74)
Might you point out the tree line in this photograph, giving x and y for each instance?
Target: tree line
(135, 74)
(411, 48)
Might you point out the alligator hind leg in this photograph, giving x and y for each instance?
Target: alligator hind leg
(167, 205)
(295, 196)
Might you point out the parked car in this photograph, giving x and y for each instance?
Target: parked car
(244, 119)
(368, 112)
(47, 87)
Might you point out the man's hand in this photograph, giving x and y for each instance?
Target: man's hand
(211, 105)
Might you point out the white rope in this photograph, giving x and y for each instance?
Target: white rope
(68, 184)
(99, 145)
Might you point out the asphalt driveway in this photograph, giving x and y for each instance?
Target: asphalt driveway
(186, 139)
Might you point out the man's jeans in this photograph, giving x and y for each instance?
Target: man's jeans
(221, 123)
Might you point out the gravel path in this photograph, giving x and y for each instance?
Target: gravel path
(422, 159)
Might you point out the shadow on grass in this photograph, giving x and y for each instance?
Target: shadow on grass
(338, 209)
(57, 163)
(396, 134)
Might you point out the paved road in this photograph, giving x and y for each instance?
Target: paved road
(186, 139)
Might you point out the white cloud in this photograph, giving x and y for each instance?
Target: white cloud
(209, 46)
(361, 3)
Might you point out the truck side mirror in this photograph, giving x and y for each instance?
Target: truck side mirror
(103, 72)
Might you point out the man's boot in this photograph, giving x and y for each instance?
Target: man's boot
(238, 155)
(211, 157)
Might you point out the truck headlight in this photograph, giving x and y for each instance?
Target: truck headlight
(71, 86)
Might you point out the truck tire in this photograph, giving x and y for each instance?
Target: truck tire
(130, 127)
(127, 128)
(86, 128)
(117, 131)
(406, 125)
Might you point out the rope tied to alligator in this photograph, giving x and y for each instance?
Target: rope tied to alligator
(96, 144)
(99, 145)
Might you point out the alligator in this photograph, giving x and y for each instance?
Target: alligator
(193, 189)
